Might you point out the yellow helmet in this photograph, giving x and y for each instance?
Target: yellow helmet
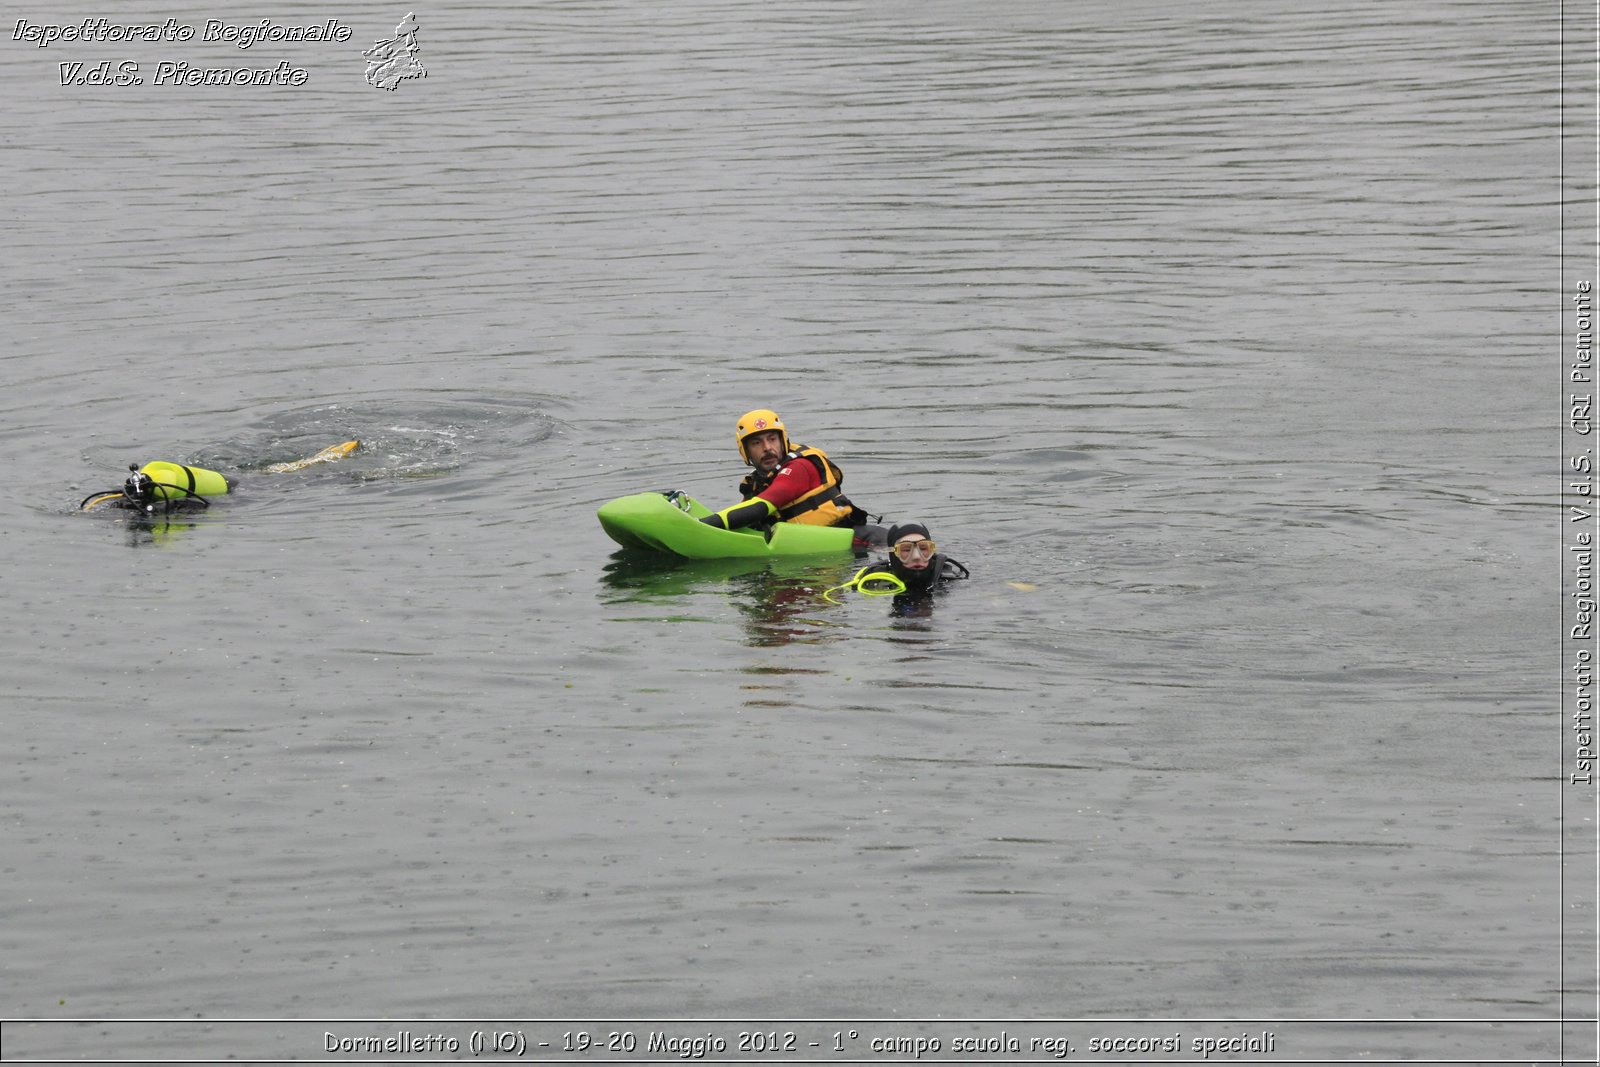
(758, 421)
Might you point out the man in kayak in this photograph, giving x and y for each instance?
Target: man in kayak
(790, 483)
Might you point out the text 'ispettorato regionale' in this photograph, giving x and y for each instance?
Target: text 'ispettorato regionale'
(243, 34)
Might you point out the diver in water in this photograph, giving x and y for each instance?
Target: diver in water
(168, 487)
(915, 569)
(915, 560)
(163, 487)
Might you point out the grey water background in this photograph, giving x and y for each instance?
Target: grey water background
(1210, 338)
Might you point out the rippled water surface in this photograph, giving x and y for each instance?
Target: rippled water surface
(1204, 335)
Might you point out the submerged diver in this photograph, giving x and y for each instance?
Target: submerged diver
(176, 487)
(915, 569)
(165, 486)
(790, 483)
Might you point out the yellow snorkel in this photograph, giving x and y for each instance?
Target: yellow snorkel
(868, 582)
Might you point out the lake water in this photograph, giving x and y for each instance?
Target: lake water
(1220, 342)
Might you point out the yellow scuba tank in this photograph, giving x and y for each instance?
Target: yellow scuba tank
(174, 481)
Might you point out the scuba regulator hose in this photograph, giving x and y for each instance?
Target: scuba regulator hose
(868, 582)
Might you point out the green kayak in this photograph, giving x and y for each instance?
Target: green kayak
(651, 521)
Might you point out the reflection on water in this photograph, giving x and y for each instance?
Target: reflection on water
(155, 530)
(780, 599)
